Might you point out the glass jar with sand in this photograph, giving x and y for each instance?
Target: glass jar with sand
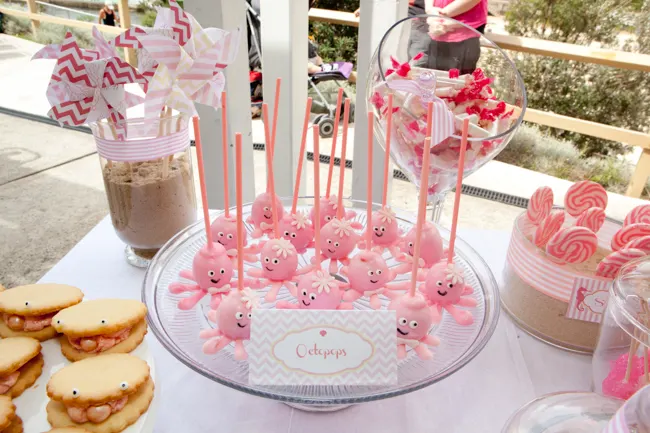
(147, 174)
(537, 291)
(620, 363)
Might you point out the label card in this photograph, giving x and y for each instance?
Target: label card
(322, 347)
(588, 299)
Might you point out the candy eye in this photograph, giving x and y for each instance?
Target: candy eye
(329, 241)
(312, 296)
(439, 283)
(410, 244)
(266, 260)
(249, 315)
(402, 321)
(222, 271)
(103, 321)
(239, 315)
(124, 385)
(328, 218)
(220, 234)
(378, 271)
(383, 229)
(276, 261)
(75, 393)
(266, 209)
(26, 303)
(371, 273)
(336, 244)
(304, 292)
(413, 324)
(286, 233)
(293, 235)
(376, 229)
(451, 286)
(58, 322)
(211, 273)
(230, 236)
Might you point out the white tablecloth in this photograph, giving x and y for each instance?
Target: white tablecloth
(513, 368)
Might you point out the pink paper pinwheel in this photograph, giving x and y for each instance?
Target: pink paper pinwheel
(103, 49)
(85, 91)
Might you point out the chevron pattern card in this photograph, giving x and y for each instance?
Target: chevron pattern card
(322, 347)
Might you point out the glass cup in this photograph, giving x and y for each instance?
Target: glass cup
(147, 172)
(620, 364)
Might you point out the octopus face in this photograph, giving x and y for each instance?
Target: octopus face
(413, 316)
(440, 286)
(262, 210)
(233, 318)
(327, 210)
(368, 271)
(383, 231)
(309, 298)
(212, 268)
(431, 249)
(224, 232)
(299, 237)
(334, 246)
(279, 260)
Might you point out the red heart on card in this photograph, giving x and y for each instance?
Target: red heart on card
(323, 333)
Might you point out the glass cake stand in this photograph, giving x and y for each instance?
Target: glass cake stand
(178, 330)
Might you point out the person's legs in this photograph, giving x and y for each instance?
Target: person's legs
(419, 42)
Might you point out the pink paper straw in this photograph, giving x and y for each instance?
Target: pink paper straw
(317, 196)
(369, 184)
(224, 143)
(204, 192)
(346, 118)
(422, 206)
(389, 131)
(240, 223)
(276, 104)
(301, 157)
(339, 99)
(459, 187)
(269, 169)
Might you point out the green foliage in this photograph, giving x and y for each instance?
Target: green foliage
(149, 18)
(47, 33)
(336, 42)
(590, 92)
(16, 26)
(86, 18)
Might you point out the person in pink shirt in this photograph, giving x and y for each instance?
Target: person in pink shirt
(445, 45)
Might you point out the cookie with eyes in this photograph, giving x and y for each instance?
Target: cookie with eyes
(68, 430)
(9, 421)
(21, 363)
(103, 394)
(101, 327)
(27, 311)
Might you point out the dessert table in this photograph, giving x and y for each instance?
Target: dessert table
(513, 369)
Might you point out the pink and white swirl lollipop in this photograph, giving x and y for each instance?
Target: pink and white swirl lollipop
(593, 218)
(610, 265)
(584, 195)
(628, 233)
(640, 214)
(540, 204)
(642, 244)
(572, 245)
(548, 227)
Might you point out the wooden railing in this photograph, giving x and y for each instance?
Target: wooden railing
(616, 59)
(558, 50)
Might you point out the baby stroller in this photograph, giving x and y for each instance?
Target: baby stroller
(336, 72)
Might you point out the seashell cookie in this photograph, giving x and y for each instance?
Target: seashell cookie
(9, 421)
(21, 363)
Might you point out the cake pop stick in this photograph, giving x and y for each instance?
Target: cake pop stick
(212, 267)
(412, 312)
(337, 116)
(444, 287)
(295, 226)
(224, 228)
(276, 105)
(382, 231)
(262, 210)
(317, 290)
(338, 235)
(234, 313)
(367, 273)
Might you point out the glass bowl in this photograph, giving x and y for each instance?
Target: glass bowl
(178, 330)
(459, 70)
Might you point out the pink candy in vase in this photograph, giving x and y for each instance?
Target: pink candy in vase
(625, 377)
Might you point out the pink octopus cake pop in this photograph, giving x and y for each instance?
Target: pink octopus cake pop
(431, 251)
(262, 214)
(413, 324)
(339, 240)
(224, 232)
(368, 275)
(329, 209)
(385, 232)
(317, 291)
(445, 288)
(298, 230)
(233, 319)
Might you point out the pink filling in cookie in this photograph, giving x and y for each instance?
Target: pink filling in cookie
(96, 414)
(6, 382)
(28, 323)
(99, 343)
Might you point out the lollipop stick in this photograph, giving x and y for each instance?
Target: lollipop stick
(301, 157)
(240, 223)
(317, 196)
(459, 187)
(269, 169)
(204, 192)
(344, 144)
(224, 150)
(276, 104)
(369, 183)
(389, 131)
(339, 100)
(421, 212)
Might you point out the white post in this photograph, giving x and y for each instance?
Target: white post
(284, 55)
(227, 15)
(375, 19)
